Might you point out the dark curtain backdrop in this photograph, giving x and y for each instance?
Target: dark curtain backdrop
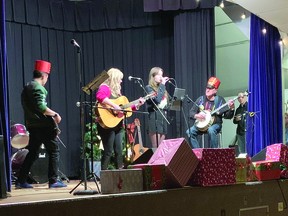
(194, 38)
(121, 36)
(133, 49)
(165, 5)
(265, 101)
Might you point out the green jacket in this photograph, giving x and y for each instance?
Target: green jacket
(33, 99)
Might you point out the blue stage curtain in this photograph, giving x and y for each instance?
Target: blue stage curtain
(166, 5)
(4, 103)
(264, 123)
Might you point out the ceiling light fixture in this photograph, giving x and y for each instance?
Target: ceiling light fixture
(222, 4)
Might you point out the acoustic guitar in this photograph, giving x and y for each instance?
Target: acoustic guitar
(109, 118)
(138, 149)
(203, 125)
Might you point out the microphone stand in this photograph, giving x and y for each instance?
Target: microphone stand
(157, 109)
(85, 191)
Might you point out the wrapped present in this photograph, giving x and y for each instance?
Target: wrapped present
(277, 152)
(216, 167)
(179, 159)
(154, 177)
(267, 170)
(244, 169)
(121, 181)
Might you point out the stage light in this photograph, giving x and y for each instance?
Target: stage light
(264, 31)
(243, 16)
(222, 4)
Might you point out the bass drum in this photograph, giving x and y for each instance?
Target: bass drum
(19, 136)
(39, 169)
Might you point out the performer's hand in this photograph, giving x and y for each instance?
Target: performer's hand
(116, 107)
(238, 117)
(141, 101)
(231, 104)
(57, 118)
(164, 80)
(200, 116)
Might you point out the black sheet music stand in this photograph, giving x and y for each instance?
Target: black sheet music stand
(88, 89)
(178, 96)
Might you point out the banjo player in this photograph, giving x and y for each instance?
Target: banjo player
(208, 112)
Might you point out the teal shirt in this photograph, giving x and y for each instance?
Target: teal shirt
(33, 99)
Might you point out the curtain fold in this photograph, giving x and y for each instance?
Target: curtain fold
(194, 38)
(80, 16)
(4, 102)
(166, 5)
(265, 119)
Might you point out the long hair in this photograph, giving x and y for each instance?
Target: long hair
(153, 72)
(115, 75)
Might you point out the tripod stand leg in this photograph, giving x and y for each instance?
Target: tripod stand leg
(95, 177)
(63, 176)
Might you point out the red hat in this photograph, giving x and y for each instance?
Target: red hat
(213, 82)
(43, 66)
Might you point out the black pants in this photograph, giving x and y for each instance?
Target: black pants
(38, 136)
(112, 140)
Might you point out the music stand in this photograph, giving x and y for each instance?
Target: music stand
(91, 86)
(178, 96)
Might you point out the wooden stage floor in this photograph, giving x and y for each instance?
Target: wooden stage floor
(41, 193)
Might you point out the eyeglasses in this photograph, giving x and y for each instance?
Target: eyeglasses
(209, 87)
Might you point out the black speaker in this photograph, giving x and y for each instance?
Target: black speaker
(39, 169)
(260, 155)
(145, 157)
(3, 188)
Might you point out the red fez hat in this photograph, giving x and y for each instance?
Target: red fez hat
(43, 66)
(213, 82)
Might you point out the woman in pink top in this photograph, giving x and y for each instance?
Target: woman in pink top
(112, 137)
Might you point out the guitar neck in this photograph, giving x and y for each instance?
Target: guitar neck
(139, 136)
(130, 104)
(222, 106)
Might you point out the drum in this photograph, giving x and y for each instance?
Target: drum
(19, 136)
(18, 159)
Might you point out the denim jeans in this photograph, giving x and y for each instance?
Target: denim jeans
(212, 132)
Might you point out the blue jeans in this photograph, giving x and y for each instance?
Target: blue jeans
(241, 143)
(212, 132)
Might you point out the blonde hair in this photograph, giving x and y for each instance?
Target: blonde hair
(153, 72)
(115, 75)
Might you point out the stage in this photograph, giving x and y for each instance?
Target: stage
(253, 198)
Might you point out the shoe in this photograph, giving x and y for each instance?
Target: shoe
(19, 185)
(57, 184)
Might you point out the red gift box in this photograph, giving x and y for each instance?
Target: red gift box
(154, 177)
(179, 159)
(216, 167)
(277, 152)
(267, 170)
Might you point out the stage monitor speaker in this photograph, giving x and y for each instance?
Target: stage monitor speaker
(3, 188)
(39, 169)
(145, 157)
(260, 155)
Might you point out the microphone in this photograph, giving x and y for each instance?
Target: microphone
(130, 78)
(73, 41)
(78, 103)
(175, 85)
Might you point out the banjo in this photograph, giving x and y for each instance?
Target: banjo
(203, 125)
